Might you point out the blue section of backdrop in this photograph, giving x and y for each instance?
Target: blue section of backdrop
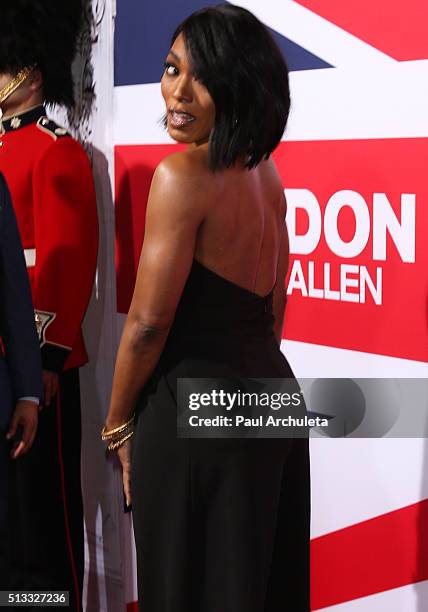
(143, 33)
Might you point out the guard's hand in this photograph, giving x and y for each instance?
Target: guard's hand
(124, 453)
(25, 414)
(50, 386)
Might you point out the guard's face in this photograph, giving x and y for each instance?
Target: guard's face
(29, 93)
(189, 106)
(17, 97)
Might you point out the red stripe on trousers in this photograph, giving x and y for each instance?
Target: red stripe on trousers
(64, 501)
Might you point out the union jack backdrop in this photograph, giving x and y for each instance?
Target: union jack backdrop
(354, 166)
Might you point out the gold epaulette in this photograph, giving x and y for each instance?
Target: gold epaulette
(50, 127)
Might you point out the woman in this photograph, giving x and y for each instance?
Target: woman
(221, 525)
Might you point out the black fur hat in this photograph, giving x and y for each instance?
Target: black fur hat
(41, 32)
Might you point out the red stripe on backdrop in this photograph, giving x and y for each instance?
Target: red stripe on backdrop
(132, 607)
(134, 167)
(333, 286)
(382, 553)
(392, 174)
(397, 29)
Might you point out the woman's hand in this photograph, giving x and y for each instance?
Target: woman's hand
(124, 454)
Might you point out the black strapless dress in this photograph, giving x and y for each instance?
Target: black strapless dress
(221, 525)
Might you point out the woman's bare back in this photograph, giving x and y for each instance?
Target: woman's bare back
(240, 235)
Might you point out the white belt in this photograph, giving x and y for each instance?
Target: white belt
(30, 257)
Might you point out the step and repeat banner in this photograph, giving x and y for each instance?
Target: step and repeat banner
(353, 162)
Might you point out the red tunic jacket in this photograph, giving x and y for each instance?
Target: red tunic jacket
(50, 179)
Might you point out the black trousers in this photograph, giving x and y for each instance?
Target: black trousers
(46, 546)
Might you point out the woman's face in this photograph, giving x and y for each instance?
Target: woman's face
(189, 106)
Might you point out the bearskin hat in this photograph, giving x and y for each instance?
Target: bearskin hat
(42, 32)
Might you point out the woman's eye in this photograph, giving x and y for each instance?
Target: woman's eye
(170, 69)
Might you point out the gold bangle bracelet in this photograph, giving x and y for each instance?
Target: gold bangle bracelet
(118, 436)
(106, 434)
(115, 444)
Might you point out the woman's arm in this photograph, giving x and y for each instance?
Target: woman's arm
(280, 292)
(174, 214)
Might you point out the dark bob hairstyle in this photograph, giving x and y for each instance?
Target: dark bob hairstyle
(233, 54)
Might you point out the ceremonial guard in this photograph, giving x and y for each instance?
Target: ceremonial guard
(51, 183)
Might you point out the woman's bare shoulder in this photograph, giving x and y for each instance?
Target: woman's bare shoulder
(188, 165)
(179, 183)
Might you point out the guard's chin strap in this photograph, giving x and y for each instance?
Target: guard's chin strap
(12, 86)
